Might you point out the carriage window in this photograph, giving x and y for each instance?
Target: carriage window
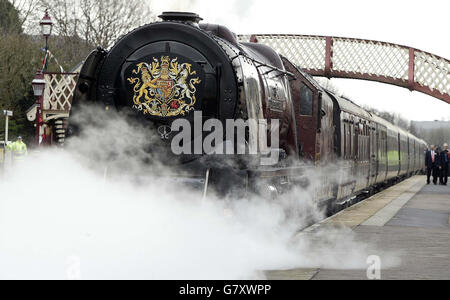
(306, 101)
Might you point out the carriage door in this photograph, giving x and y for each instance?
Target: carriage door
(373, 154)
(305, 100)
(305, 103)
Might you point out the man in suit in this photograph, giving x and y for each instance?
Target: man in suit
(430, 163)
(445, 160)
(438, 165)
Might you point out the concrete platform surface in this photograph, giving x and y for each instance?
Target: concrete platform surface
(411, 220)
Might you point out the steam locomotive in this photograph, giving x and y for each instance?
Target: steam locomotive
(169, 70)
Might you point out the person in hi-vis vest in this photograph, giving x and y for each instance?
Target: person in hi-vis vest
(18, 149)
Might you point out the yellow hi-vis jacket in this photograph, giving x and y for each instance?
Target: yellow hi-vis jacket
(18, 150)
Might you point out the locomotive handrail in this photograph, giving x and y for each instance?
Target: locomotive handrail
(261, 64)
(384, 62)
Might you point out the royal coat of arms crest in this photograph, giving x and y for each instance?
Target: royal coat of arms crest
(166, 88)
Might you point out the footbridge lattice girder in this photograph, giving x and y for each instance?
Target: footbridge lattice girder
(384, 62)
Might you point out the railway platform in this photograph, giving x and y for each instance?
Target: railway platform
(410, 219)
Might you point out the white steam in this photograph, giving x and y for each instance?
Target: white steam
(61, 218)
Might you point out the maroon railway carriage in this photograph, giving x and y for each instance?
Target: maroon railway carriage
(168, 70)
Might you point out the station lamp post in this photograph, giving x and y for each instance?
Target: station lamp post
(46, 29)
(38, 84)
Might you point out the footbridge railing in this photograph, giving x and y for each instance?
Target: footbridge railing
(340, 57)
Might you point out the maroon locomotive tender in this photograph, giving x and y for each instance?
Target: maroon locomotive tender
(166, 71)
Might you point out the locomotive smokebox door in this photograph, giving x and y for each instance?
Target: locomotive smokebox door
(165, 81)
(163, 72)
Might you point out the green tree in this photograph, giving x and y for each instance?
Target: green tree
(9, 18)
(17, 66)
(20, 57)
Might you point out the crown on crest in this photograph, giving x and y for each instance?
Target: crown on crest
(165, 61)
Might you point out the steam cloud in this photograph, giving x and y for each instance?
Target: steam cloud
(63, 217)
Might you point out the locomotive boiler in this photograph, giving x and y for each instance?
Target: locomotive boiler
(181, 69)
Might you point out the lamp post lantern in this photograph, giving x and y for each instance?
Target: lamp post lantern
(38, 84)
(46, 29)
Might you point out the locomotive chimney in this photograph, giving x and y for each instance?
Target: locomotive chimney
(181, 16)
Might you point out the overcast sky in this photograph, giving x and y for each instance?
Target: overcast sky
(420, 24)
